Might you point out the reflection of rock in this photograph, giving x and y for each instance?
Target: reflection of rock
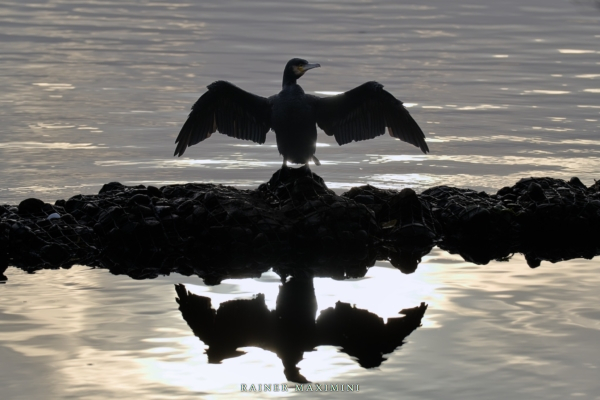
(295, 222)
(403, 258)
(290, 330)
(3, 259)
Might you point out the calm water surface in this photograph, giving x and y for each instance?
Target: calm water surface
(92, 92)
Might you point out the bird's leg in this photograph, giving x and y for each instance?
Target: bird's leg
(282, 168)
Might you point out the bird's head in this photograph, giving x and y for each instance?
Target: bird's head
(295, 68)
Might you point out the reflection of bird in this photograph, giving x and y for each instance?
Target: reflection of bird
(359, 114)
(291, 330)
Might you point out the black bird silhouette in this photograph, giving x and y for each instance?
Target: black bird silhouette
(358, 114)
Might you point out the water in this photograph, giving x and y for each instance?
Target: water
(95, 92)
(490, 332)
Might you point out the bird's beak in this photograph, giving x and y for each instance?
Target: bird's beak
(311, 66)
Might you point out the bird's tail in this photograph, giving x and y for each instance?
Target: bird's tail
(316, 160)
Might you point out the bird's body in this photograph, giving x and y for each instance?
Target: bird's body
(359, 114)
(293, 118)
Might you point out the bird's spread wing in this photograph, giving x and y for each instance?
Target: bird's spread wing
(231, 111)
(364, 112)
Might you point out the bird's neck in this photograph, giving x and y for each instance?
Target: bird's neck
(289, 82)
(292, 89)
(289, 78)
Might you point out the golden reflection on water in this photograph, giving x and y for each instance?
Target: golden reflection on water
(385, 291)
(404, 180)
(194, 375)
(51, 87)
(128, 335)
(575, 51)
(540, 91)
(186, 163)
(108, 336)
(51, 146)
(575, 165)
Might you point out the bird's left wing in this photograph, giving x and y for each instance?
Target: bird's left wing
(364, 112)
(228, 109)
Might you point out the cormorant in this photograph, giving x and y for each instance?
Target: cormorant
(358, 114)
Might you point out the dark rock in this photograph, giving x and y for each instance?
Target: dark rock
(163, 210)
(154, 191)
(48, 209)
(54, 254)
(111, 187)
(237, 233)
(152, 222)
(69, 219)
(30, 206)
(576, 182)
(295, 222)
(90, 209)
(364, 199)
(536, 192)
(595, 188)
(75, 203)
(141, 199)
(185, 207)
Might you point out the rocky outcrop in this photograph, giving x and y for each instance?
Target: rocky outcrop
(294, 222)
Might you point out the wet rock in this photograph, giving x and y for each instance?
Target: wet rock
(595, 188)
(536, 193)
(90, 209)
(185, 207)
(295, 222)
(54, 253)
(153, 191)
(140, 199)
(30, 206)
(111, 187)
(576, 182)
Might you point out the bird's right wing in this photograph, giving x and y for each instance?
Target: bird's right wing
(364, 112)
(231, 111)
